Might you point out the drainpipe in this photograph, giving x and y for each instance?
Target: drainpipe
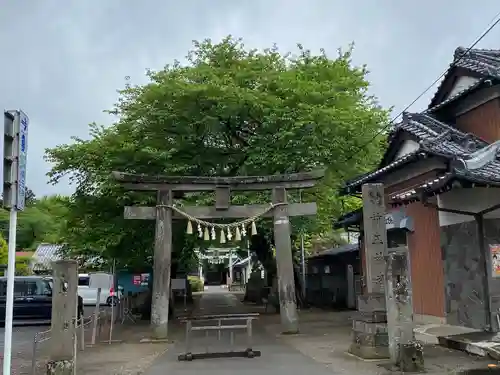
(483, 256)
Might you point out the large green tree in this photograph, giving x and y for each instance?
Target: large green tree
(228, 111)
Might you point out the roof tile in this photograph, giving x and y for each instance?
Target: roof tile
(440, 139)
(483, 62)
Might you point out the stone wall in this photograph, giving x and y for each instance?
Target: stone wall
(463, 272)
(492, 237)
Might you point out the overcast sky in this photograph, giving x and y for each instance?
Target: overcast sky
(62, 61)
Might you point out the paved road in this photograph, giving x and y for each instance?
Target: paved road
(277, 358)
(22, 337)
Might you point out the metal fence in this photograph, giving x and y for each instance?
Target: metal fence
(237, 287)
(231, 323)
(82, 337)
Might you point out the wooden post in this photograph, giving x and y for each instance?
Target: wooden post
(64, 313)
(162, 262)
(230, 283)
(96, 316)
(284, 264)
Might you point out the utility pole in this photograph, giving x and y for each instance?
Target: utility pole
(302, 257)
(14, 194)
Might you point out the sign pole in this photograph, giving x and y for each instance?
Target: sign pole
(15, 150)
(113, 298)
(9, 309)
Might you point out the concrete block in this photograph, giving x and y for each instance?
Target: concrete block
(371, 317)
(369, 327)
(371, 302)
(371, 339)
(369, 352)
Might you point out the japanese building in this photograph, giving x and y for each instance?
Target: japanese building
(441, 173)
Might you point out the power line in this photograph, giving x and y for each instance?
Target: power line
(494, 22)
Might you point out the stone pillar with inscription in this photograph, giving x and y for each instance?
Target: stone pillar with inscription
(370, 337)
(406, 353)
(64, 307)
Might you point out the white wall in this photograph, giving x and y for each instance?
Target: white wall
(470, 200)
(462, 84)
(406, 148)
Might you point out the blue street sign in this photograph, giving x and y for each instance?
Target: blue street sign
(21, 167)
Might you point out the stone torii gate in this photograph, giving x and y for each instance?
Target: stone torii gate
(163, 213)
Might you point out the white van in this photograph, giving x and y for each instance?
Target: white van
(89, 295)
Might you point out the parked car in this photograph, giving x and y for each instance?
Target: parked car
(80, 309)
(89, 295)
(32, 299)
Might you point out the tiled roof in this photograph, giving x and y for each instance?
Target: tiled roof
(482, 62)
(485, 62)
(44, 255)
(336, 251)
(470, 157)
(406, 159)
(462, 148)
(348, 219)
(439, 138)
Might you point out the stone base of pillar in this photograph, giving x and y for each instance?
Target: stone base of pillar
(369, 328)
(368, 351)
(369, 339)
(411, 358)
(63, 367)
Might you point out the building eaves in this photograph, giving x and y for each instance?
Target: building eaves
(480, 168)
(458, 95)
(336, 251)
(349, 219)
(482, 62)
(440, 140)
(351, 185)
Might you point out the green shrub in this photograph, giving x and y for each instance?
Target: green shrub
(23, 266)
(196, 284)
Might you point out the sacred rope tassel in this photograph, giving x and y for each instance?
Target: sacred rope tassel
(229, 234)
(189, 229)
(206, 235)
(200, 231)
(222, 236)
(214, 236)
(237, 235)
(254, 229)
(243, 230)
